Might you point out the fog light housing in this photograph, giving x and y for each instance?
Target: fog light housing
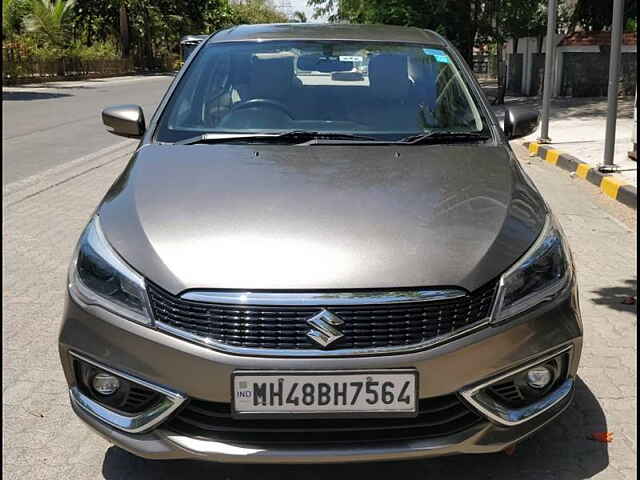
(531, 383)
(112, 390)
(539, 377)
(105, 384)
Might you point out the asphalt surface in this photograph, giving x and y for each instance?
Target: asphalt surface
(44, 126)
(42, 438)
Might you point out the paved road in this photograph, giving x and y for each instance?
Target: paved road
(42, 439)
(45, 126)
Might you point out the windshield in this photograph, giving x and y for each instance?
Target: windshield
(382, 90)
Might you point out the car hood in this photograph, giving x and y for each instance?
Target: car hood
(273, 217)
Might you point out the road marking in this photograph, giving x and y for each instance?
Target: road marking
(617, 188)
(583, 170)
(15, 192)
(552, 156)
(610, 186)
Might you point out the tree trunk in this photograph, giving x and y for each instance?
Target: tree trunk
(89, 32)
(470, 33)
(463, 33)
(147, 48)
(124, 31)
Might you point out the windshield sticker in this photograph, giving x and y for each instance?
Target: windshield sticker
(347, 58)
(439, 55)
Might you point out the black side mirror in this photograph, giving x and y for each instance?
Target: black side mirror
(125, 120)
(520, 122)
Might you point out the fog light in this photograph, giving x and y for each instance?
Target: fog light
(105, 383)
(539, 377)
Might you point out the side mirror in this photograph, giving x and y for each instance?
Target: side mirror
(520, 122)
(124, 120)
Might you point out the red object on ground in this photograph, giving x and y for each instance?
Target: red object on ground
(604, 437)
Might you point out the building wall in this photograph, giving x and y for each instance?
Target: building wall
(515, 72)
(537, 75)
(581, 66)
(586, 74)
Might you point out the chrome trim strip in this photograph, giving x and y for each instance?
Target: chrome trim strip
(323, 299)
(515, 416)
(129, 423)
(226, 451)
(267, 352)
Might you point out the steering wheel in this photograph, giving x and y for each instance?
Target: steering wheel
(259, 103)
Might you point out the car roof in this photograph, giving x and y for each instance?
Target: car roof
(327, 31)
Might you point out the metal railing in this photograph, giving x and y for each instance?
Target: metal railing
(17, 69)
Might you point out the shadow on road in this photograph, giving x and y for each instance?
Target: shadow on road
(613, 297)
(565, 108)
(560, 450)
(26, 96)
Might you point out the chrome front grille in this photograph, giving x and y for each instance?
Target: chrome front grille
(366, 328)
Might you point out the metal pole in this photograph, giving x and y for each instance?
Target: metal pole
(612, 94)
(633, 154)
(548, 71)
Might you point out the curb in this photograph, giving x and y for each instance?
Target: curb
(612, 186)
(67, 83)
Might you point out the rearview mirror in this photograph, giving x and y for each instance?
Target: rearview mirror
(124, 120)
(520, 122)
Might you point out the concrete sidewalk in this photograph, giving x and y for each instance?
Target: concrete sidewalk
(577, 127)
(71, 84)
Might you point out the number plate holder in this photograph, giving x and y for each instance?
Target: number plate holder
(242, 406)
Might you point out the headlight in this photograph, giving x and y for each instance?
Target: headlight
(538, 276)
(98, 276)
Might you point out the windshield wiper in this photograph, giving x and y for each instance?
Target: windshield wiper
(444, 136)
(291, 136)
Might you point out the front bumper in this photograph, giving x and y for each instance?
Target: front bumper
(198, 372)
(163, 444)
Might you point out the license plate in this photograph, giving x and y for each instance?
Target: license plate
(376, 393)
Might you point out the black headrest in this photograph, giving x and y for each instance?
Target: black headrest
(271, 77)
(389, 76)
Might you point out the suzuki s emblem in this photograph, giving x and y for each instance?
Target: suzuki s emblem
(323, 329)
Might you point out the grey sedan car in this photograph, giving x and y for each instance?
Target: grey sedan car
(322, 250)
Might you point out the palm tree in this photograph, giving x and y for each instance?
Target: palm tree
(13, 13)
(299, 17)
(50, 19)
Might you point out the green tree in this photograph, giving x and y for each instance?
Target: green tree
(299, 17)
(256, 11)
(51, 20)
(595, 15)
(464, 22)
(523, 18)
(459, 20)
(96, 20)
(147, 30)
(14, 13)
